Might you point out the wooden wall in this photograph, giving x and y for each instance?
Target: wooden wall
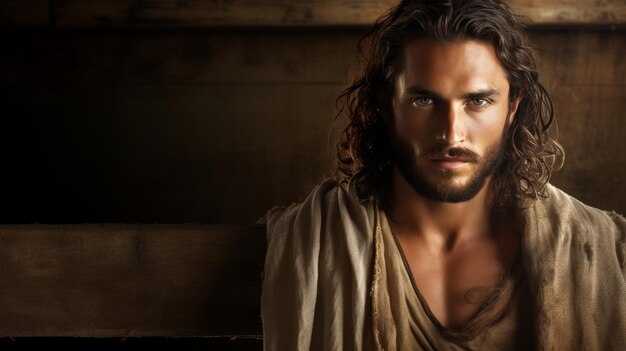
(218, 125)
(123, 280)
(282, 13)
(214, 111)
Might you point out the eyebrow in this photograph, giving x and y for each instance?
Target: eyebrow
(484, 93)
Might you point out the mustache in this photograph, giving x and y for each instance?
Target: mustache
(452, 153)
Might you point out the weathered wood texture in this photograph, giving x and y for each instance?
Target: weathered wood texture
(586, 76)
(189, 128)
(176, 13)
(219, 127)
(71, 343)
(24, 13)
(130, 280)
(584, 12)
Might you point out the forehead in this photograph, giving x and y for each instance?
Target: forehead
(452, 67)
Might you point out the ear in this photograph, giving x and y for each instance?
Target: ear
(513, 107)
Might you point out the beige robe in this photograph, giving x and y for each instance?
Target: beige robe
(402, 319)
(320, 261)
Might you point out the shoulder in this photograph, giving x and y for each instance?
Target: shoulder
(319, 256)
(330, 201)
(569, 211)
(574, 257)
(560, 218)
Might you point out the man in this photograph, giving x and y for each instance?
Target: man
(441, 231)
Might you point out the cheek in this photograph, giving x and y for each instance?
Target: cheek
(410, 123)
(413, 136)
(488, 127)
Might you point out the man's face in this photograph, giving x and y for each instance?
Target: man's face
(450, 108)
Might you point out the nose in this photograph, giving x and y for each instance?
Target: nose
(451, 124)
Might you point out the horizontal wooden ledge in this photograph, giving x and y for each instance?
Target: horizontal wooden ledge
(131, 343)
(173, 13)
(130, 280)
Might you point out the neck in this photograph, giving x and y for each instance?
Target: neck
(442, 224)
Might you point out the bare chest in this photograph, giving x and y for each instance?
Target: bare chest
(455, 286)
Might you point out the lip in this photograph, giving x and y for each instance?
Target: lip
(450, 164)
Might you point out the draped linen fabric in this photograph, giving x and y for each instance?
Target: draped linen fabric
(319, 274)
(403, 321)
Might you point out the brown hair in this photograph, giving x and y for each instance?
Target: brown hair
(363, 150)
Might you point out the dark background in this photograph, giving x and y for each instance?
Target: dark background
(218, 125)
(214, 111)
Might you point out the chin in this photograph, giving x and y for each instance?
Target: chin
(453, 194)
(445, 183)
(452, 186)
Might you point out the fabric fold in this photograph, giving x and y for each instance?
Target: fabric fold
(320, 280)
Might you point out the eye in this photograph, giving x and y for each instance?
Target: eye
(422, 101)
(479, 102)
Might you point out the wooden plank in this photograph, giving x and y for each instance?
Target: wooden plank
(571, 12)
(111, 280)
(24, 13)
(119, 128)
(590, 120)
(172, 13)
(190, 153)
(178, 58)
(564, 57)
(197, 153)
(131, 343)
(159, 13)
(580, 57)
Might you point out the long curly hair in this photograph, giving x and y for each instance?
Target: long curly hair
(364, 149)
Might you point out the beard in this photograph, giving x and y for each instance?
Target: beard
(447, 188)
